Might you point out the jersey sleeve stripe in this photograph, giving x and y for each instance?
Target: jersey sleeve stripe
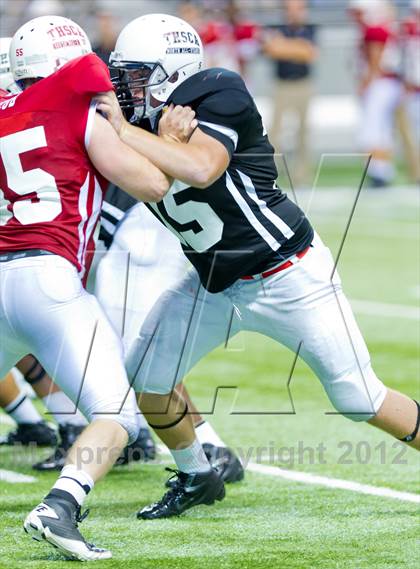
(229, 132)
(89, 123)
(246, 210)
(83, 199)
(268, 213)
(94, 215)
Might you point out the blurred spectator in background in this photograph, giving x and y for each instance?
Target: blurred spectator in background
(37, 8)
(229, 40)
(246, 35)
(410, 45)
(106, 35)
(293, 48)
(380, 86)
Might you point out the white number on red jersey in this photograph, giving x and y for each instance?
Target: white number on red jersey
(38, 181)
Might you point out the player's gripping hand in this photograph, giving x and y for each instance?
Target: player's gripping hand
(177, 123)
(108, 105)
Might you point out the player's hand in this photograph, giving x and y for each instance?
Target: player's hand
(177, 123)
(108, 105)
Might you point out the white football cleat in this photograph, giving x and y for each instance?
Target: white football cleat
(55, 521)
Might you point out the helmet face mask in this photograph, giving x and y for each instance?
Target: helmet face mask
(165, 51)
(6, 78)
(134, 84)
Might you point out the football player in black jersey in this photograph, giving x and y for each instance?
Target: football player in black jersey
(259, 265)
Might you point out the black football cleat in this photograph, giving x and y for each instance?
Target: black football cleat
(377, 183)
(68, 434)
(142, 449)
(188, 490)
(40, 434)
(225, 462)
(55, 520)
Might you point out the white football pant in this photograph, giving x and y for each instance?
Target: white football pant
(45, 311)
(300, 307)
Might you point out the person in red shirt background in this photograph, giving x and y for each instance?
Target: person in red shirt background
(410, 46)
(380, 85)
(230, 41)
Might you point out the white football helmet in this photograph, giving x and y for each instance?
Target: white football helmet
(6, 78)
(375, 12)
(154, 54)
(44, 44)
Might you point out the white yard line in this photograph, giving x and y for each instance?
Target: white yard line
(386, 309)
(306, 478)
(15, 477)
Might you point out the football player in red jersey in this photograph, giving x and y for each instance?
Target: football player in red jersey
(30, 426)
(56, 155)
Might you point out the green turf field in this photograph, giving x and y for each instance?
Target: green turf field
(266, 521)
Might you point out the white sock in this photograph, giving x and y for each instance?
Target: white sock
(206, 434)
(143, 423)
(382, 169)
(63, 409)
(74, 481)
(22, 410)
(191, 459)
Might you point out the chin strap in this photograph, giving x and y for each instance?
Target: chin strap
(173, 424)
(413, 435)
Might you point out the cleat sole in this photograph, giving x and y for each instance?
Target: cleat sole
(33, 527)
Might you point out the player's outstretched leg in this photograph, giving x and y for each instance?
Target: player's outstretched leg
(400, 417)
(196, 481)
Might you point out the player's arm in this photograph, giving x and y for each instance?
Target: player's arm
(123, 166)
(299, 50)
(197, 163)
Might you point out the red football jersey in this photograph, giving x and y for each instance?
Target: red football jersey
(50, 193)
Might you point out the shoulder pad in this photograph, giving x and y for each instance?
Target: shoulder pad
(206, 83)
(86, 74)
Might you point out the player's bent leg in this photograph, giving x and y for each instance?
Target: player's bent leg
(69, 419)
(31, 428)
(186, 324)
(9, 390)
(218, 453)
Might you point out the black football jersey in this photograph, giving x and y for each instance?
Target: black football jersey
(243, 223)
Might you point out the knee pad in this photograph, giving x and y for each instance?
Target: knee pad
(358, 395)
